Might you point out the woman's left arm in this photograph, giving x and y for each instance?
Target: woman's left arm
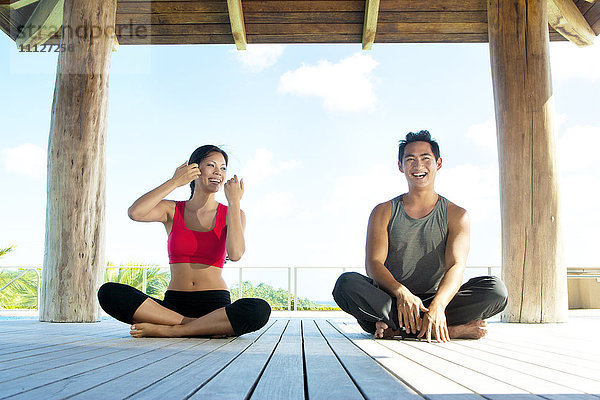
(236, 220)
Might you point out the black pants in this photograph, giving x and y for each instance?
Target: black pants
(360, 296)
(245, 315)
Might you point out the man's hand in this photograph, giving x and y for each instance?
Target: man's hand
(434, 321)
(409, 311)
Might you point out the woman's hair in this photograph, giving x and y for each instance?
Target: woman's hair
(200, 154)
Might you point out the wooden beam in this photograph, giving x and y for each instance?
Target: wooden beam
(531, 243)
(43, 23)
(566, 19)
(236, 18)
(75, 209)
(21, 3)
(370, 24)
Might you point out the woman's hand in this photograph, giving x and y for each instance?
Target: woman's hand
(185, 173)
(234, 190)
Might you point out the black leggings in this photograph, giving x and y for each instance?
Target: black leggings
(245, 315)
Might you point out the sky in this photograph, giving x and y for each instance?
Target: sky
(312, 129)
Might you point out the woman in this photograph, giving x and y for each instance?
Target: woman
(201, 232)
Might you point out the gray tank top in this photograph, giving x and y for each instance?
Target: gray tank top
(417, 247)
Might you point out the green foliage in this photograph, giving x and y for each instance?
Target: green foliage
(6, 250)
(157, 280)
(277, 298)
(21, 293)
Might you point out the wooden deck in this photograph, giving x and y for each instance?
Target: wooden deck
(299, 358)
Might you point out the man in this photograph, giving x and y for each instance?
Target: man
(417, 246)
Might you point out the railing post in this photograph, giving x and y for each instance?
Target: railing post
(295, 288)
(289, 307)
(240, 292)
(144, 278)
(489, 271)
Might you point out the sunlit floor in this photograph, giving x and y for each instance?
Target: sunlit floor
(318, 355)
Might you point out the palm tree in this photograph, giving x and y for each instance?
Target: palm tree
(21, 293)
(157, 280)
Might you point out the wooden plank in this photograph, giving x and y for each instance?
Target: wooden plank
(188, 39)
(238, 28)
(189, 379)
(38, 384)
(177, 30)
(432, 27)
(516, 351)
(35, 356)
(482, 381)
(326, 378)
(412, 373)
(253, 6)
(438, 5)
(566, 19)
(370, 24)
(21, 3)
(47, 362)
(44, 22)
(238, 379)
(136, 380)
(173, 19)
(163, 7)
(527, 376)
(286, 365)
(583, 6)
(372, 379)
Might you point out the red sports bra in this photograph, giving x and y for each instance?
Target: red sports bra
(188, 246)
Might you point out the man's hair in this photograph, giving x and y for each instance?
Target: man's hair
(421, 136)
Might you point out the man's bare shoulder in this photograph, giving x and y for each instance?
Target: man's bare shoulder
(457, 214)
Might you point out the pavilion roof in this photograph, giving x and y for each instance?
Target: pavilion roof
(291, 21)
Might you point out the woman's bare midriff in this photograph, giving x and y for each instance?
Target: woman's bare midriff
(194, 277)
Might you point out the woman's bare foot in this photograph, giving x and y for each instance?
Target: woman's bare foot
(471, 330)
(152, 330)
(383, 331)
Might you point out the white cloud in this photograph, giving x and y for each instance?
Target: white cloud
(577, 149)
(474, 188)
(570, 61)
(345, 86)
(261, 166)
(257, 57)
(278, 205)
(27, 160)
(484, 134)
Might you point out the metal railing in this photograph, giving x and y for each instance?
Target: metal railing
(292, 275)
(26, 270)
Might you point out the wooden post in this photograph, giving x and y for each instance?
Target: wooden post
(74, 249)
(531, 247)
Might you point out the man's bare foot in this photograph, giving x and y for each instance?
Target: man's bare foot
(471, 330)
(383, 331)
(152, 330)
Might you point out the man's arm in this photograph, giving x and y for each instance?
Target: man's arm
(457, 249)
(409, 305)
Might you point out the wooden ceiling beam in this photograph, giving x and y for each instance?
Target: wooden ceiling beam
(21, 3)
(370, 23)
(43, 23)
(566, 19)
(238, 28)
